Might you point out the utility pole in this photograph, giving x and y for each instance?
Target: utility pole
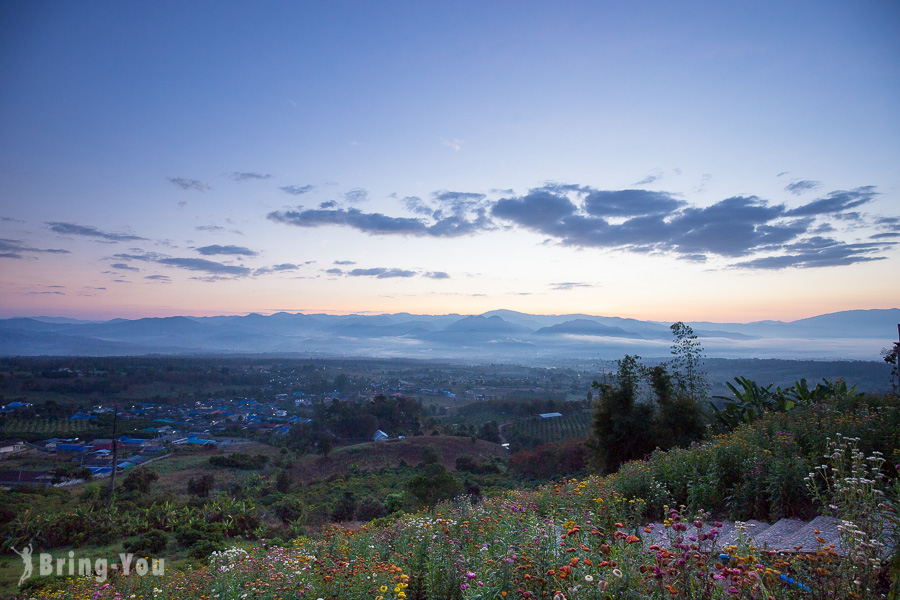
(115, 451)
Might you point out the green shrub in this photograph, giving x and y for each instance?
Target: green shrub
(151, 543)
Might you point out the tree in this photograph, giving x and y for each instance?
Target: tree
(139, 480)
(202, 486)
(641, 409)
(619, 423)
(432, 484)
(324, 444)
(687, 366)
(892, 357)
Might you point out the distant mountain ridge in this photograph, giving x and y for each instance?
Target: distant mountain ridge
(501, 335)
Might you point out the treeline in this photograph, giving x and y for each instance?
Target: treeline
(339, 420)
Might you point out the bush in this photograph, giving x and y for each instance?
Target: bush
(151, 543)
(239, 460)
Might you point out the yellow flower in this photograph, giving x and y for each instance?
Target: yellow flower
(382, 589)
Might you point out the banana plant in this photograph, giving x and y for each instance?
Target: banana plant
(750, 402)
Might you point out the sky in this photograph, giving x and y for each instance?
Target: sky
(715, 161)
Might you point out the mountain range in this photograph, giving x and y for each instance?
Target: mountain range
(499, 335)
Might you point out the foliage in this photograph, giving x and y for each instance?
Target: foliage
(552, 461)
(687, 366)
(151, 543)
(625, 429)
(202, 485)
(432, 484)
(139, 480)
(239, 460)
(751, 400)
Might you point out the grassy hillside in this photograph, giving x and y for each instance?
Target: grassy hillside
(583, 538)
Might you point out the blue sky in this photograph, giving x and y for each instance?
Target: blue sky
(716, 161)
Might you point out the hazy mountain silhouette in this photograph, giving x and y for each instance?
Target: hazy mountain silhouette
(501, 335)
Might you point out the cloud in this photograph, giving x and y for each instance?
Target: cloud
(415, 204)
(226, 250)
(278, 268)
(372, 223)
(207, 266)
(815, 252)
(335, 271)
(356, 195)
(328, 204)
(189, 184)
(436, 275)
(210, 228)
(747, 228)
(630, 203)
(799, 187)
(570, 285)
(297, 190)
(656, 175)
(160, 278)
(138, 254)
(455, 143)
(239, 176)
(87, 231)
(15, 249)
(836, 202)
(381, 273)
(45, 293)
(345, 262)
(123, 267)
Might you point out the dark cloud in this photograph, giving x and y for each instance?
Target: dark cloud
(239, 176)
(189, 184)
(160, 278)
(138, 254)
(836, 202)
(297, 190)
(733, 227)
(381, 273)
(542, 210)
(277, 268)
(356, 195)
(226, 250)
(880, 236)
(207, 266)
(87, 231)
(748, 228)
(630, 203)
(800, 187)
(328, 204)
(335, 271)
(436, 275)
(373, 223)
(123, 267)
(15, 249)
(816, 252)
